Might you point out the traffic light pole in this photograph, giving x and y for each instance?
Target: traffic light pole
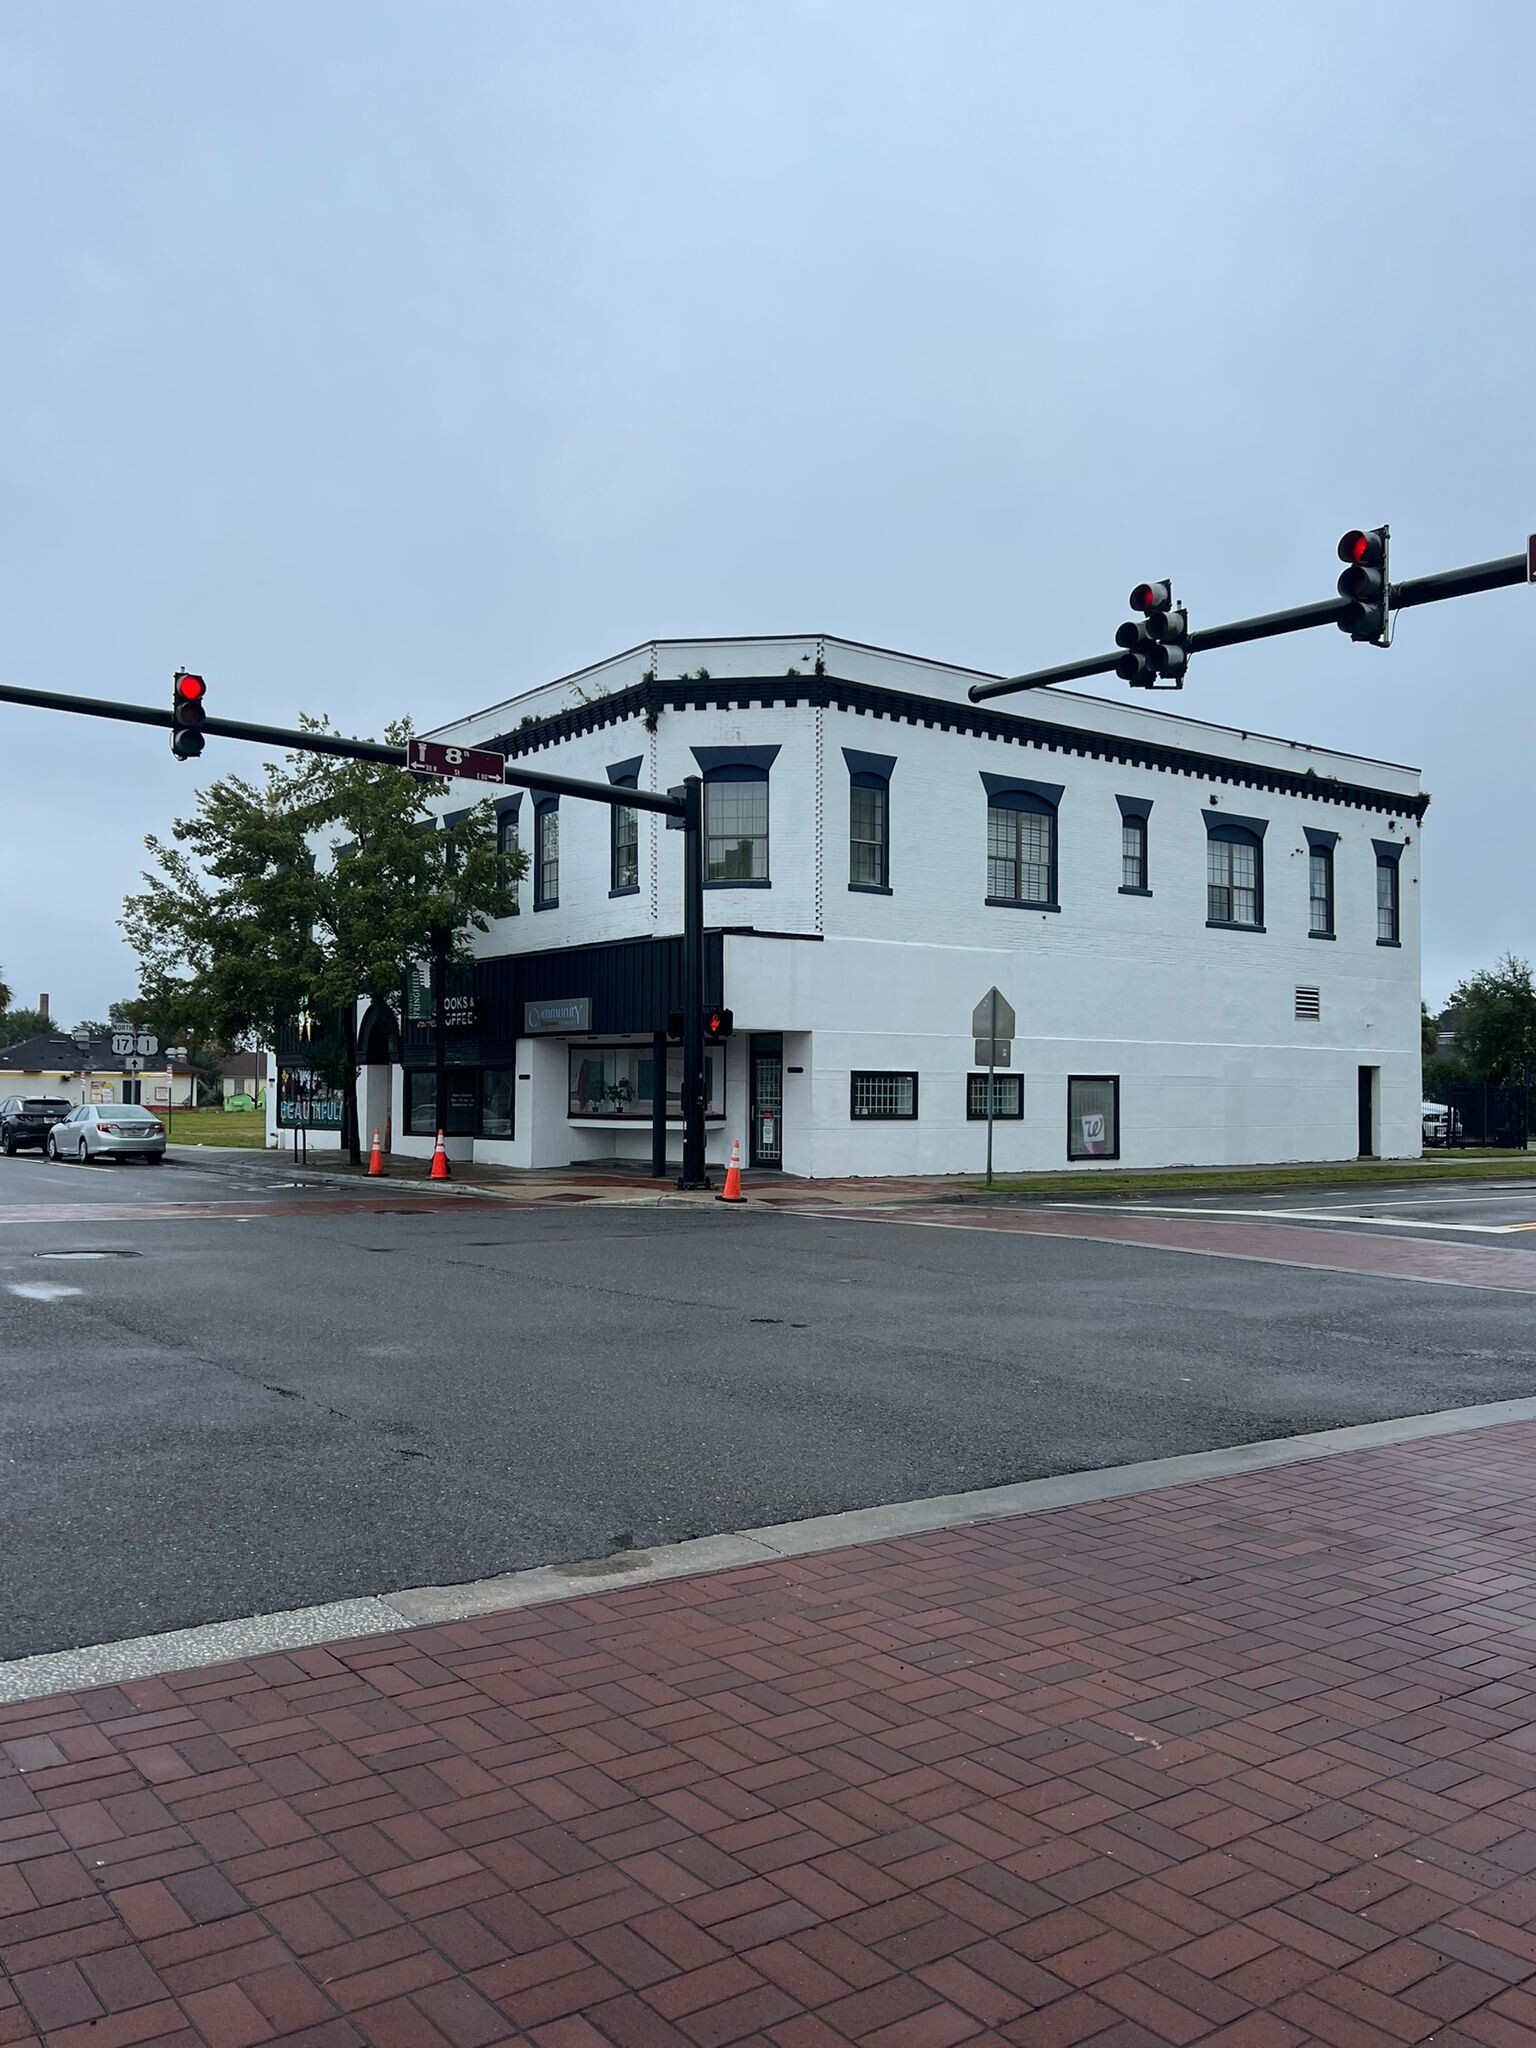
(689, 808)
(1446, 583)
(693, 1175)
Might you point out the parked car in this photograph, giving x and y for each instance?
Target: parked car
(27, 1120)
(108, 1130)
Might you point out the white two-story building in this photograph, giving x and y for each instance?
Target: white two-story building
(1210, 938)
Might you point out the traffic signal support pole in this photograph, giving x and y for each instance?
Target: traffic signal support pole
(1445, 583)
(689, 808)
(693, 1174)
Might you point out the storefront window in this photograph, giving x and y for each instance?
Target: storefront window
(619, 1081)
(421, 1103)
(498, 1093)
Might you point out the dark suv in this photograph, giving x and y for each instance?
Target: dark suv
(27, 1120)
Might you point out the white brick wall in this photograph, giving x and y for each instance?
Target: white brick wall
(1198, 1023)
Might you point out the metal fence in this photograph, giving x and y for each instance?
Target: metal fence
(1480, 1113)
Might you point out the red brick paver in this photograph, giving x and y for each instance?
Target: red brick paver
(1250, 1762)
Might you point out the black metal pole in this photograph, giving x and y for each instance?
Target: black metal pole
(693, 1174)
(441, 940)
(297, 741)
(658, 1105)
(1434, 589)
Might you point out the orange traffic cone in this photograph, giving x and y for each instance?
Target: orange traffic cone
(375, 1159)
(731, 1192)
(439, 1160)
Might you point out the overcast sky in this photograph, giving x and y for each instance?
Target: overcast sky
(377, 358)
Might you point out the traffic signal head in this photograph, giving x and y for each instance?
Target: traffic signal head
(187, 715)
(1364, 583)
(718, 1024)
(1156, 645)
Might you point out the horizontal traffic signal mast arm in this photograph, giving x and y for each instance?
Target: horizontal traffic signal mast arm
(1445, 583)
(300, 742)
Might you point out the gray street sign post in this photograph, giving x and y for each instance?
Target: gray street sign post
(993, 1020)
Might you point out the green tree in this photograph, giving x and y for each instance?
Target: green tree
(91, 1027)
(15, 1025)
(1496, 1022)
(316, 886)
(5, 993)
(1429, 1032)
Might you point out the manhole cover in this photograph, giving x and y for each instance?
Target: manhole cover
(88, 1255)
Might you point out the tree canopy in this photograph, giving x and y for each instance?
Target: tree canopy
(1494, 1014)
(15, 1025)
(318, 884)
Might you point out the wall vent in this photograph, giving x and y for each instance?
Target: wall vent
(1309, 1004)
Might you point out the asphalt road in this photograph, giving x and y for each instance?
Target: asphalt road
(326, 1400)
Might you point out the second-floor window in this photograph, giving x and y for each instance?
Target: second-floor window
(1234, 878)
(546, 855)
(506, 854)
(1320, 867)
(869, 801)
(625, 850)
(1021, 850)
(1133, 853)
(736, 825)
(1387, 919)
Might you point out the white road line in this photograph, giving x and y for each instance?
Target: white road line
(40, 1290)
(1300, 1216)
(1137, 1244)
(1421, 1201)
(218, 1642)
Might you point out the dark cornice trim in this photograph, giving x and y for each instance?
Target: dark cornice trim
(739, 693)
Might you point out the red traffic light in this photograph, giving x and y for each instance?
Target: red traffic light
(1364, 548)
(191, 689)
(1151, 597)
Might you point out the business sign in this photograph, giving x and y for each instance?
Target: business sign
(463, 764)
(574, 1013)
(1093, 1130)
(306, 1101)
(462, 1012)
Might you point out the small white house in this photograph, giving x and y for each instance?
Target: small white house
(1210, 938)
(82, 1070)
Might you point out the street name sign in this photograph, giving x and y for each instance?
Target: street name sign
(144, 1043)
(465, 764)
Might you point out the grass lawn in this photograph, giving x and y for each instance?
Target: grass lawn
(1273, 1179)
(216, 1127)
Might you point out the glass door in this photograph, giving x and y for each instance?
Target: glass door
(766, 1141)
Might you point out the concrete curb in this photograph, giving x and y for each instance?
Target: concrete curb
(221, 1642)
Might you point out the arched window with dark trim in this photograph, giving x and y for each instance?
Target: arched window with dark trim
(506, 846)
(1234, 872)
(869, 821)
(1021, 843)
(624, 833)
(546, 853)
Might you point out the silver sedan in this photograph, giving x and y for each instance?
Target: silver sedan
(108, 1130)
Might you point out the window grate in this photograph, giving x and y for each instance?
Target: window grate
(1007, 1096)
(1309, 1004)
(882, 1097)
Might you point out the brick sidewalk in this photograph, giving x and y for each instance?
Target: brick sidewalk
(1249, 1762)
